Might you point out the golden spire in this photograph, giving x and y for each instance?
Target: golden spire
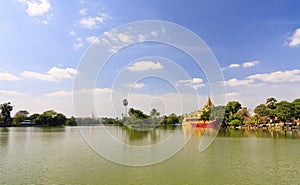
(208, 104)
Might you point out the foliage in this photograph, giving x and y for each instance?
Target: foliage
(171, 119)
(111, 121)
(255, 120)
(205, 115)
(137, 113)
(235, 122)
(284, 111)
(20, 116)
(217, 113)
(33, 117)
(271, 103)
(231, 109)
(50, 118)
(6, 109)
(296, 108)
(71, 121)
(262, 110)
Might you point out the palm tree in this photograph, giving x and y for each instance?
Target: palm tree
(256, 119)
(125, 103)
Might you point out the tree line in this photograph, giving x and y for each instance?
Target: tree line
(137, 119)
(271, 111)
(47, 118)
(231, 114)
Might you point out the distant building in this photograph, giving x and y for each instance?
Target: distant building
(194, 118)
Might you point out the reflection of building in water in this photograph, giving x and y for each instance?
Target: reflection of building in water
(199, 118)
(196, 132)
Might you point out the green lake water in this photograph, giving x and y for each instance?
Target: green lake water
(33, 155)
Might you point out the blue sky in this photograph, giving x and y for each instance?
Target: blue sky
(256, 43)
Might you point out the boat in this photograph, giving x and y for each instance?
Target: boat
(194, 118)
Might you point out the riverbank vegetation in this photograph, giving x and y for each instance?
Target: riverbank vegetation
(269, 114)
(23, 118)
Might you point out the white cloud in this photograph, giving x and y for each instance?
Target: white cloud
(92, 39)
(245, 65)
(72, 33)
(8, 76)
(234, 66)
(78, 44)
(295, 38)
(83, 11)
(123, 37)
(93, 22)
(117, 38)
(250, 64)
(59, 94)
(37, 7)
(278, 76)
(136, 85)
(54, 74)
(154, 34)
(102, 90)
(96, 91)
(262, 79)
(231, 94)
(63, 93)
(11, 93)
(235, 82)
(144, 66)
(141, 38)
(193, 83)
(197, 80)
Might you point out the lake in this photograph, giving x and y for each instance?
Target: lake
(35, 155)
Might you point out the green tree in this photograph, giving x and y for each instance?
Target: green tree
(284, 111)
(51, 118)
(20, 116)
(71, 121)
(33, 117)
(137, 113)
(46, 118)
(6, 109)
(205, 115)
(171, 119)
(235, 122)
(296, 108)
(58, 120)
(262, 110)
(231, 109)
(271, 103)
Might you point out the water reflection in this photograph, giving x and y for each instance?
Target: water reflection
(3, 136)
(260, 133)
(129, 136)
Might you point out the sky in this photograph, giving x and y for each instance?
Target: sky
(44, 42)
